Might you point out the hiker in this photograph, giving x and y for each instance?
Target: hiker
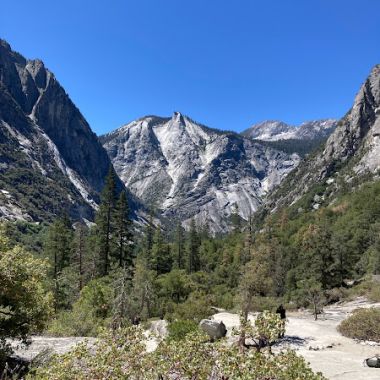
(281, 310)
(136, 320)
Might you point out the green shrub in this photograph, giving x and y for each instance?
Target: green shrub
(363, 324)
(89, 313)
(335, 295)
(367, 288)
(180, 328)
(195, 308)
(223, 297)
(122, 355)
(374, 294)
(265, 303)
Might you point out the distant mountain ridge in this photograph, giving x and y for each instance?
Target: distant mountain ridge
(186, 170)
(272, 130)
(50, 160)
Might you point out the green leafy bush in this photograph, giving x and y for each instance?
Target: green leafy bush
(89, 313)
(374, 294)
(366, 288)
(363, 324)
(265, 330)
(335, 295)
(195, 308)
(25, 306)
(122, 355)
(180, 328)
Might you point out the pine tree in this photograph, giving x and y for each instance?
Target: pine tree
(317, 254)
(105, 219)
(123, 231)
(58, 247)
(161, 260)
(121, 303)
(143, 292)
(193, 248)
(148, 238)
(80, 253)
(246, 254)
(179, 247)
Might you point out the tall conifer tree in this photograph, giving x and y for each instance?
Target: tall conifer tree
(123, 231)
(104, 221)
(193, 248)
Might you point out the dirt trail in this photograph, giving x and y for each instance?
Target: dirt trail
(327, 351)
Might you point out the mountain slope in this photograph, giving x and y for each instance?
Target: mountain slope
(187, 170)
(351, 154)
(50, 160)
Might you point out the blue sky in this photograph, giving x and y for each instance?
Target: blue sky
(227, 64)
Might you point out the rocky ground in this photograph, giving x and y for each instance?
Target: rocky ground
(337, 357)
(322, 345)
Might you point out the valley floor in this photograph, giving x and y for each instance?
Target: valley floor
(337, 357)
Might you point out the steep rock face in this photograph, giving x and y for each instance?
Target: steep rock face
(50, 160)
(351, 152)
(278, 130)
(187, 170)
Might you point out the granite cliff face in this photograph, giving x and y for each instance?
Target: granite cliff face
(187, 170)
(350, 154)
(50, 160)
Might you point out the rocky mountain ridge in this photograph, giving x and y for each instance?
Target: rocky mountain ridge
(272, 130)
(50, 160)
(186, 170)
(350, 155)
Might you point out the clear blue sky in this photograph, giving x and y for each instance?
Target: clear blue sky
(227, 64)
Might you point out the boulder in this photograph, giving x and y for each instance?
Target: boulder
(373, 362)
(214, 329)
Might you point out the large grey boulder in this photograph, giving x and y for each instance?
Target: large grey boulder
(214, 329)
(373, 362)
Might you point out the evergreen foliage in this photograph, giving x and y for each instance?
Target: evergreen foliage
(25, 306)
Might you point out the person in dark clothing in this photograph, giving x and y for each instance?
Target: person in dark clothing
(281, 310)
(136, 320)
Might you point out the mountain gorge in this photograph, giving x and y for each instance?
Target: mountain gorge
(50, 160)
(186, 170)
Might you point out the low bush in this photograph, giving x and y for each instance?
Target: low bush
(335, 295)
(89, 313)
(363, 324)
(265, 303)
(195, 308)
(123, 355)
(180, 328)
(366, 288)
(374, 294)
